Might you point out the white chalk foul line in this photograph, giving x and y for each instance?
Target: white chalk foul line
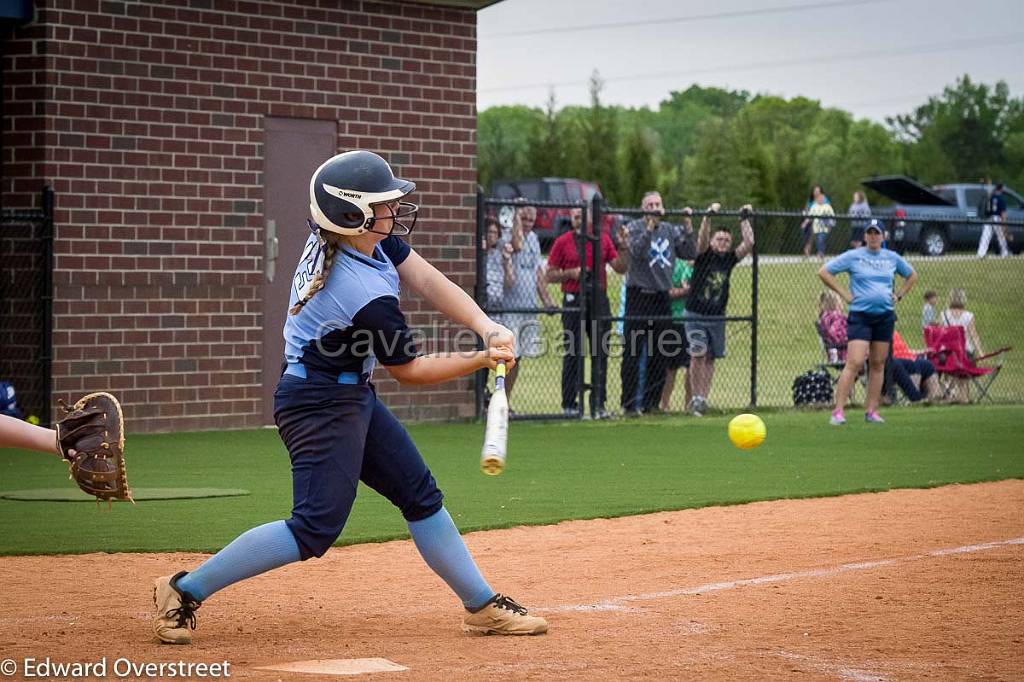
(619, 603)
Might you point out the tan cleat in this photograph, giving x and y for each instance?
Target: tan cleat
(503, 616)
(175, 611)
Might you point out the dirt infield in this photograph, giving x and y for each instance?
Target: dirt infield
(850, 588)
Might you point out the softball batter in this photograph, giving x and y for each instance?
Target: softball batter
(344, 316)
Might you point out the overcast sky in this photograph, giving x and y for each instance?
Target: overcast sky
(872, 57)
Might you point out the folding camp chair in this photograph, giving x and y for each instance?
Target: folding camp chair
(834, 367)
(947, 349)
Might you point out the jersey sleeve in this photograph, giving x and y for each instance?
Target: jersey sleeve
(395, 249)
(903, 268)
(390, 338)
(840, 263)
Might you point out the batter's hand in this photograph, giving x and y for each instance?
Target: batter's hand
(492, 356)
(495, 335)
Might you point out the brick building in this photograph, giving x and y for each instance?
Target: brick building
(178, 138)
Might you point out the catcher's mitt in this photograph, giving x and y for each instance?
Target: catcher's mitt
(91, 439)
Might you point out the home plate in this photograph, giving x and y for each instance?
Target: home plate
(338, 666)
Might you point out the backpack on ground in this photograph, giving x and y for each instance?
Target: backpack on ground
(813, 389)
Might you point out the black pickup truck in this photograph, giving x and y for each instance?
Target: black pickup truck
(914, 203)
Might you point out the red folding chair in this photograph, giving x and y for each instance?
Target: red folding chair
(947, 350)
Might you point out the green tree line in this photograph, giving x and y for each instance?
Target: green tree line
(705, 144)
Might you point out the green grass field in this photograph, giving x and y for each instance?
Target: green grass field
(556, 471)
(788, 342)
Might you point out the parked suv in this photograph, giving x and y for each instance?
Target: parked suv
(551, 222)
(915, 203)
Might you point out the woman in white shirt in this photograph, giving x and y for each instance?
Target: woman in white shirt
(957, 315)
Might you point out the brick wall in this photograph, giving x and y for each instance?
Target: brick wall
(147, 119)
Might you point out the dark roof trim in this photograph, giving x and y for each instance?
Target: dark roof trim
(20, 11)
(459, 4)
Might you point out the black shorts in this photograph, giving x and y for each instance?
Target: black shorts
(870, 327)
(677, 354)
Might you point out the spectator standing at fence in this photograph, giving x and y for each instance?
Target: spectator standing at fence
(872, 298)
(820, 218)
(681, 275)
(995, 217)
(500, 273)
(565, 267)
(651, 246)
(928, 314)
(709, 298)
(806, 225)
(522, 294)
(862, 210)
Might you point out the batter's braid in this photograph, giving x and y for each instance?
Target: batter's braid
(318, 283)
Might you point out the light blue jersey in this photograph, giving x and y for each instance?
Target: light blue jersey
(871, 277)
(361, 295)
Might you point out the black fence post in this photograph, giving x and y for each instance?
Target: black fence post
(480, 294)
(754, 285)
(598, 349)
(46, 350)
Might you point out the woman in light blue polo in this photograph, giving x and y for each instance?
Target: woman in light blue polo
(871, 298)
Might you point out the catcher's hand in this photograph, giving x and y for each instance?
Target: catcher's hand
(91, 438)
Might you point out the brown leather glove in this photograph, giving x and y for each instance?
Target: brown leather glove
(91, 439)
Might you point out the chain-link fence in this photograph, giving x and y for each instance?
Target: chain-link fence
(753, 322)
(26, 298)
(514, 244)
(979, 292)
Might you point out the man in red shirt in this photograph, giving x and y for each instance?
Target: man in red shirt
(906, 363)
(564, 267)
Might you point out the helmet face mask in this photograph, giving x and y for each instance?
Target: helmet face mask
(398, 216)
(346, 189)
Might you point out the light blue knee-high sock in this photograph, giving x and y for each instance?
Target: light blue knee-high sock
(441, 546)
(255, 551)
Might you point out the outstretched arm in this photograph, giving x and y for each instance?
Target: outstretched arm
(517, 232)
(450, 300)
(703, 235)
(15, 433)
(438, 368)
(747, 230)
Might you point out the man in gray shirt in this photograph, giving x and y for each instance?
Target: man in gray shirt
(528, 284)
(651, 246)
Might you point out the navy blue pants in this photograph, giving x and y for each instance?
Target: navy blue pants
(903, 368)
(338, 435)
